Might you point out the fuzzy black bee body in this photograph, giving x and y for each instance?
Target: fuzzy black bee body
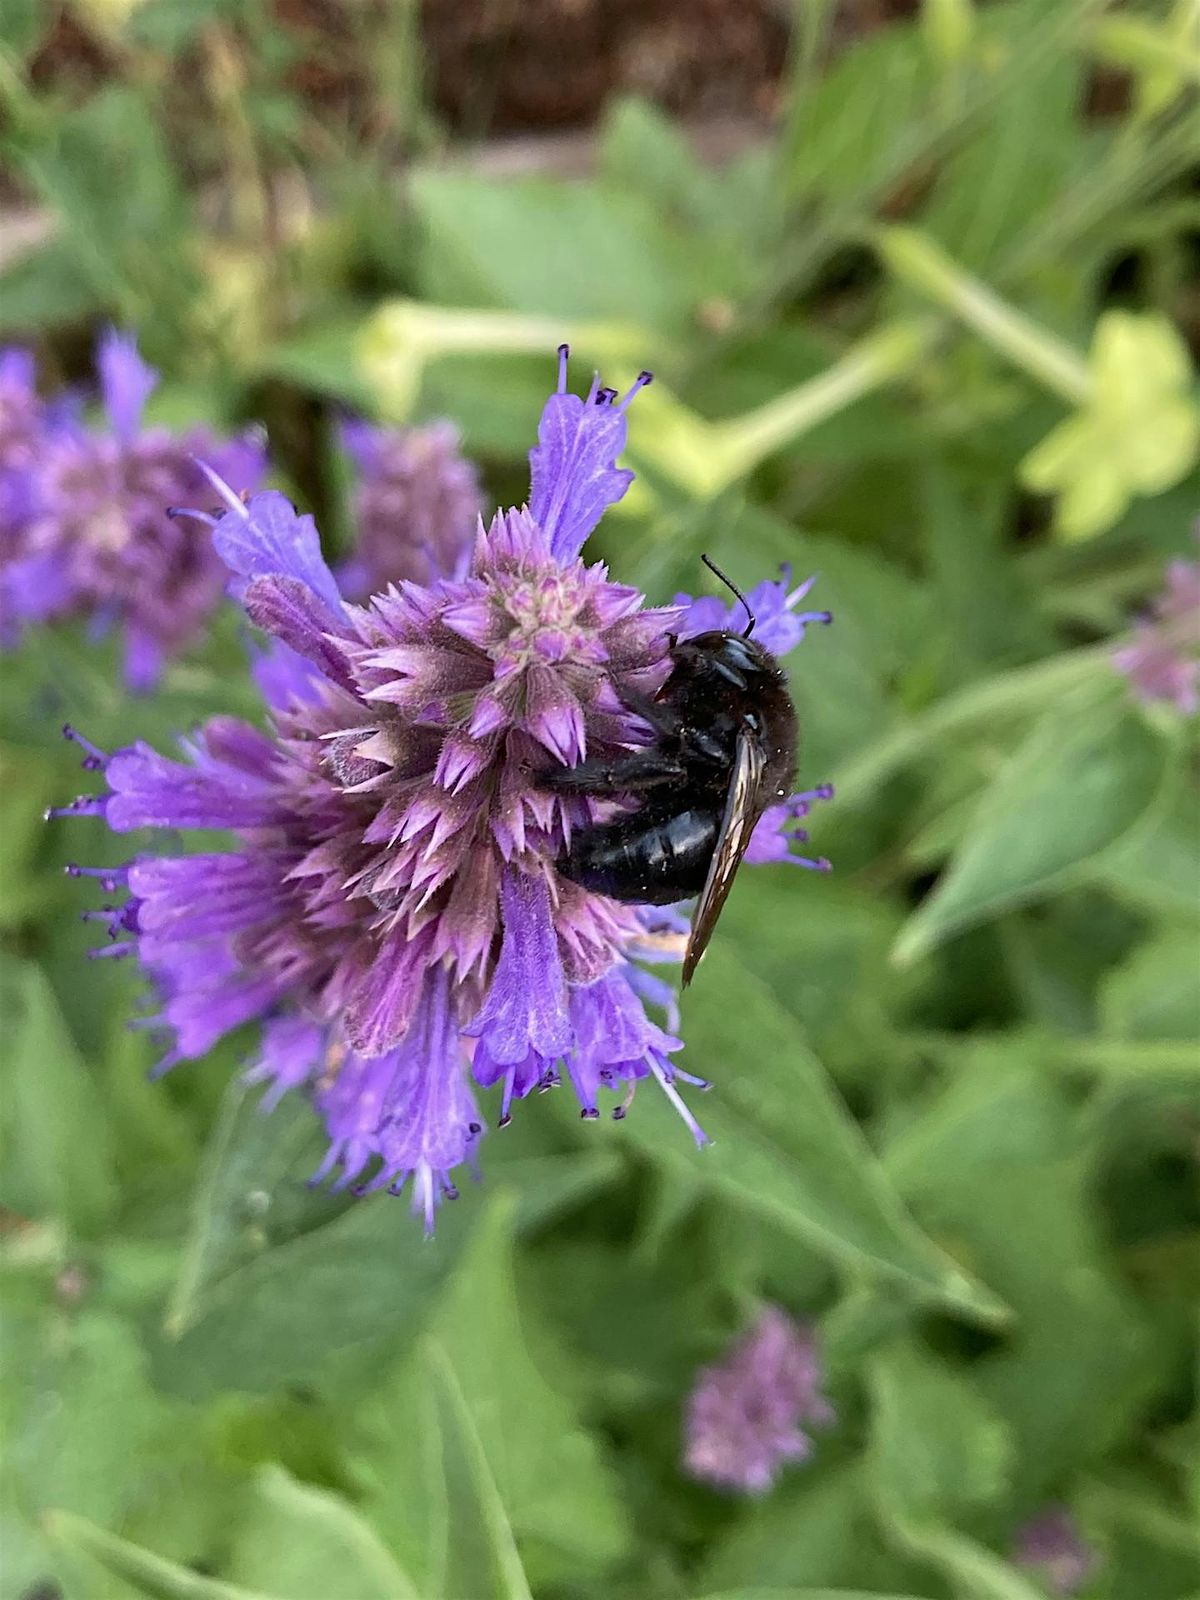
(725, 749)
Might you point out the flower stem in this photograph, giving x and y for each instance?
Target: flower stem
(740, 444)
(916, 261)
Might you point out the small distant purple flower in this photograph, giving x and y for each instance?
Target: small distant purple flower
(1163, 662)
(746, 1415)
(390, 914)
(1052, 1546)
(89, 526)
(415, 505)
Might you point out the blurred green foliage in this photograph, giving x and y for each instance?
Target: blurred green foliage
(957, 1110)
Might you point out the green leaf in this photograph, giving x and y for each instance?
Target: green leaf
(335, 1294)
(59, 1160)
(473, 1494)
(993, 1167)
(938, 1449)
(1155, 865)
(144, 1571)
(973, 1569)
(784, 1147)
(28, 784)
(803, 1530)
(802, 1594)
(251, 1159)
(1085, 774)
(556, 1487)
(309, 1544)
(559, 1494)
(554, 249)
(1156, 993)
(330, 1296)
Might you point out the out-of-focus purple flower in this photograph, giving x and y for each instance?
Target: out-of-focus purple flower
(1163, 662)
(91, 533)
(22, 425)
(391, 914)
(746, 1415)
(415, 504)
(1052, 1546)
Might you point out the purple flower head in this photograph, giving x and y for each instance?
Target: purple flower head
(27, 424)
(389, 912)
(416, 504)
(22, 426)
(1052, 1546)
(745, 1414)
(96, 536)
(1163, 662)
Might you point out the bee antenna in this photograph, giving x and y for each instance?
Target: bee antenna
(733, 588)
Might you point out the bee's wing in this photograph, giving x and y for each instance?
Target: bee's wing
(742, 810)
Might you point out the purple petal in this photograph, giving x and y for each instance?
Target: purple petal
(284, 677)
(126, 382)
(150, 791)
(778, 623)
(290, 1053)
(573, 473)
(144, 660)
(382, 1008)
(289, 610)
(268, 538)
(18, 368)
(526, 1006)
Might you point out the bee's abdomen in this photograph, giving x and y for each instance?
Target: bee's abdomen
(652, 862)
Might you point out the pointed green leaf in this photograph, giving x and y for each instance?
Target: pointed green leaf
(783, 1146)
(309, 1544)
(366, 1278)
(556, 1487)
(973, 1569)
(58, 1159)
(144, 1571)
(250, 1165)
(475, 1500)
(803, 1594)
(1086, 773)
(938, 1448)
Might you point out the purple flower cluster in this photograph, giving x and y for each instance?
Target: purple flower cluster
(746, 1415)
(415, 504)
(390, 914)
(1163, 662)
(85, 524)
(1052, 1546)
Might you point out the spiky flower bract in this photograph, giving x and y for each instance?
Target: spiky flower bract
(391, 916)
(88, 530)
(746, 1414)
(415, 502)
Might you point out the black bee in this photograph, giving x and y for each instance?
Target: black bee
(725, 750)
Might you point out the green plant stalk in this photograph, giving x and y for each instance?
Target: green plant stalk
(915, 260)
(397, 343)
(740, 444)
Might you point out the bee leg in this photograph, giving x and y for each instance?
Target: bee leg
(660, 717)
(632, 774)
